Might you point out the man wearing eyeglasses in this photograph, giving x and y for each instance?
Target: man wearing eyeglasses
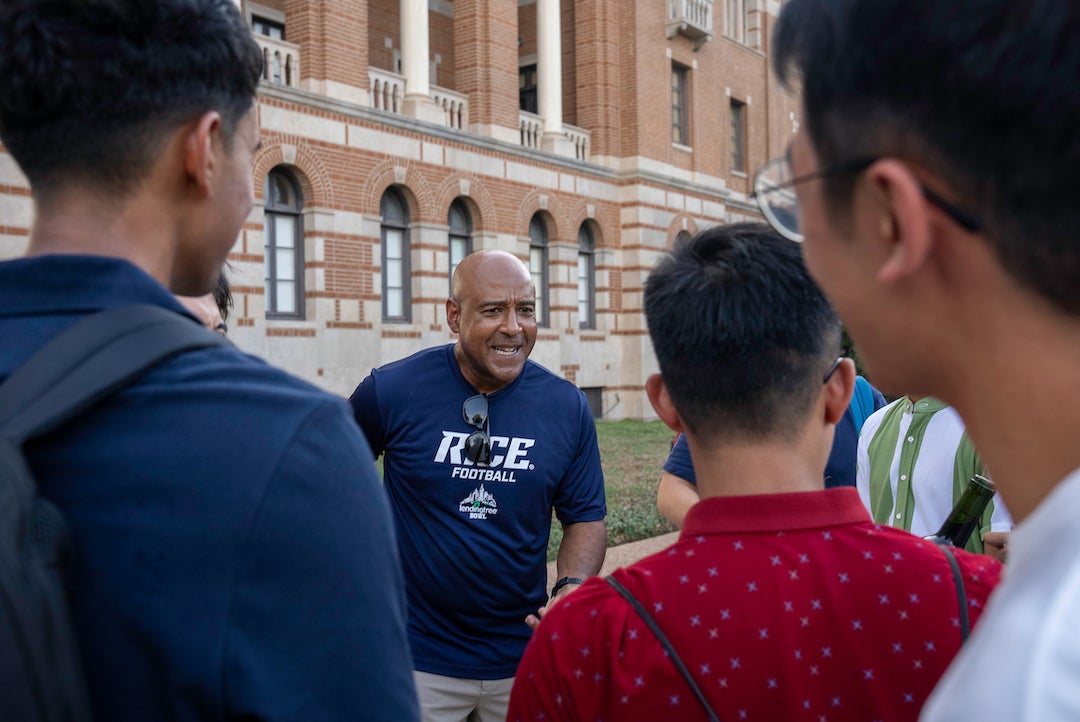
(479, 445)
(934, 187)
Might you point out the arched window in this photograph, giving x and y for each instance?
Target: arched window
(681, 239)
(538, 266)
(283, 234)
(396, 304)
(460, 234)
(586, 277)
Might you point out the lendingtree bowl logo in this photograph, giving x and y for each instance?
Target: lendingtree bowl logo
(479, 504)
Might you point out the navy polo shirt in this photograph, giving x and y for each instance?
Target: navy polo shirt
(234, 552)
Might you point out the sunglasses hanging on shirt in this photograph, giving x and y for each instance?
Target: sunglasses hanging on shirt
(478, 445)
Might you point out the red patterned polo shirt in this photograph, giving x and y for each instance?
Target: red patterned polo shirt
(783, 607)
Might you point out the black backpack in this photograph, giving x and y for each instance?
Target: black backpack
(41, 676)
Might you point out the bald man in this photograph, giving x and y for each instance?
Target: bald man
(479, 445)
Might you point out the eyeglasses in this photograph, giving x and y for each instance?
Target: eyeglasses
(478, 445)
(774, 191)
(832, 369)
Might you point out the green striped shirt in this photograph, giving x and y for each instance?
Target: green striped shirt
(914, 461)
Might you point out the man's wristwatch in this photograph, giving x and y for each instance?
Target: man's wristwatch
(563, 582)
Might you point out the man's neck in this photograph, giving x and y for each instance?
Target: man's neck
(1015, 388)
(757, 468)
(86, 224)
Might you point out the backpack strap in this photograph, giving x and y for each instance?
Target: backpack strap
(664, 642)
(89, 361)
(958, 580)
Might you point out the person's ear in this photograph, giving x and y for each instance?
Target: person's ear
(200, 159)
(453, 315)
(838, 391)
(661, 402)
(904, 227)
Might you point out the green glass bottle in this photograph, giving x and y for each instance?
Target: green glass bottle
(966, 513)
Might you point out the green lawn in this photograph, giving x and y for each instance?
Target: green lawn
(632, 453)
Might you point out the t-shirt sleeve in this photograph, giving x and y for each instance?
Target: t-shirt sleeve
(365, 407)
(316, 623)
(679, 462)
(580, 496)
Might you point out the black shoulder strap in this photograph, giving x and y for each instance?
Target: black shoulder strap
(664, 642)
(961, 596)
(94, 358)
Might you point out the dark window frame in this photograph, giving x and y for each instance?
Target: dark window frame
(680, 104)
(738, 135)
(462, 233)
(587, 251)
(395, 225)
(260, 25)
(272, 210)
(527, 93)
(539, 244)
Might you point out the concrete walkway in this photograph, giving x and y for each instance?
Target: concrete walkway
(626, 554)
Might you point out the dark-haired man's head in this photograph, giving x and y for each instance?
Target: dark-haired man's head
(742, 334)
(93, 87)
(977, 97)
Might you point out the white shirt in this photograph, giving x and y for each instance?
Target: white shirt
(1022, 661)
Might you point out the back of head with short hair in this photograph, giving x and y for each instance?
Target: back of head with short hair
(980, 92)
(91, 86)
(741, 332)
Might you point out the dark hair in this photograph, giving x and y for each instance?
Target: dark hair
(90, 86)
(741, 332)
(223, 296)
(981, 92)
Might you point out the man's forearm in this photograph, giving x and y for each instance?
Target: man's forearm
(582, 551)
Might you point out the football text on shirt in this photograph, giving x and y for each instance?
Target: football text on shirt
(502, 466)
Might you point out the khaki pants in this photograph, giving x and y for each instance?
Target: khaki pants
(449, 699)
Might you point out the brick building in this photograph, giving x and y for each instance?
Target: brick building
(582, 135)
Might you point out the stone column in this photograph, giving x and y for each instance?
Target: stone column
(415, 51)
(549, 76)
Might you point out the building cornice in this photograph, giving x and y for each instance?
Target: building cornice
(432, 130)
(429, 130)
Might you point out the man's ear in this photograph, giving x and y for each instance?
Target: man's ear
(200, 160)
(838, 391)
(453, 315)
(661, 402)
(904, 226)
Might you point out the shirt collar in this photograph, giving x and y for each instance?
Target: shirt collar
(925, 405)
(63, 284)
(775, 512)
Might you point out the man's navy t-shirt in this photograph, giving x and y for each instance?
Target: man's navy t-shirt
(474, 537)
